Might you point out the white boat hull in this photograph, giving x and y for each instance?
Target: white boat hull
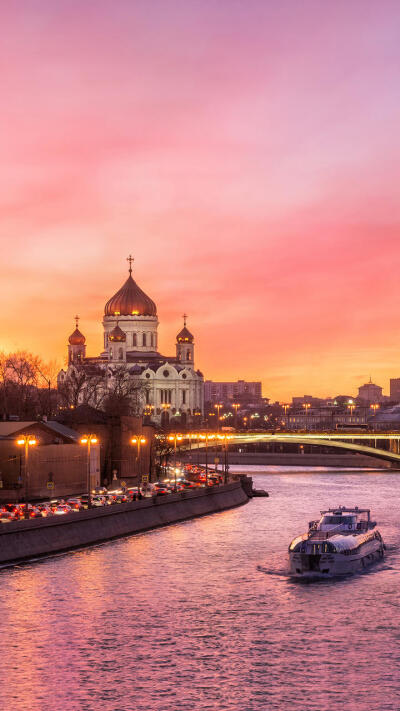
(329, 565)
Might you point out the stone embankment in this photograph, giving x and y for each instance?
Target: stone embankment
(23, 540)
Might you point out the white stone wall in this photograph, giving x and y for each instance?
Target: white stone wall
(182, 390)
(135, 327)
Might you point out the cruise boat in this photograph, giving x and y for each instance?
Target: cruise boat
(344, 540)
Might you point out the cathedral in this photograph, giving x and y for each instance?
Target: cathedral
(169, 386)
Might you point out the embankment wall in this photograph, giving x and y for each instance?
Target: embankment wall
(21, 540)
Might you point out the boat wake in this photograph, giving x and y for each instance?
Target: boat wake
(277, 572)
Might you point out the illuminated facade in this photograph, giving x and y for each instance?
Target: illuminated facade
(171, 385)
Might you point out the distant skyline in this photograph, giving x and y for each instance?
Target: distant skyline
(246, 154)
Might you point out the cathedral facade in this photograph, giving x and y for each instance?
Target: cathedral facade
(166, 387)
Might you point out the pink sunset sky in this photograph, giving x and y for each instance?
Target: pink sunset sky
(247, 155)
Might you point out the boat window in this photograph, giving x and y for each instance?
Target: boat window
(338, 519)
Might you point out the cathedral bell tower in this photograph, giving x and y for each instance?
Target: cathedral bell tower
(76, 347)
(185, 346)
(117, 345)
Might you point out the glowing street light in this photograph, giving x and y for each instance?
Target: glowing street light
(26, 441)
(236, 407)
(207, 437)
(138, 441)
(306, 406)
(89, 440)
(351, 406)
(175, 438)
(375, 407)
(225, 438)
(218, 407)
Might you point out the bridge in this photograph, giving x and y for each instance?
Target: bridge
(367, 443)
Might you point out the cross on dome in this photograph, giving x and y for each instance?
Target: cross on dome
(77, 321)
(184, 336)
(130, 259)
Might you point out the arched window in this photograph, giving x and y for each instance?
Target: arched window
(189, 355)
(120, 354)
(134, 339)
(144, 342)
(152, 340)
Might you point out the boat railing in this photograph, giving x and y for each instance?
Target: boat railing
(318, 535)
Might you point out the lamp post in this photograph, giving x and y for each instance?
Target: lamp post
(225, 438)
(351, 407)
(306, 406)
(286, 407)
(165, 407)
(26, 441)
(236, 406)
(374, 407)
(148, 410)
(89, 440)
(175, 438)
(218, 407)
(207, 437)
(138, 441)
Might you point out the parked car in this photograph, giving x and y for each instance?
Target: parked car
(6, 516)
(62, 509)
(75, 504)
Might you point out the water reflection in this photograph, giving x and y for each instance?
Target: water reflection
(201, 615)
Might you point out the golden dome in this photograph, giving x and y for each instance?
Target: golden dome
(117, 334)
(130, 300)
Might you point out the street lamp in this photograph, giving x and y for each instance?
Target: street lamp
(89, 440)
(148, 410)
(218, 407)
(175, 438)
(306, 406)
(375, 407)
(26, 441)
(236, 406)
(225, 437)
(165, 407)
(138, 441)
(286, 407)
(351, 407)
(207, 437)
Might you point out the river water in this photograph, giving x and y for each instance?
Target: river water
(201, 615)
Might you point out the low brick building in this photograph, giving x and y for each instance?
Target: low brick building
(57, 457)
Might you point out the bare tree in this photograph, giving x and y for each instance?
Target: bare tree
(19, 373)
(82, 386)
(126, 393)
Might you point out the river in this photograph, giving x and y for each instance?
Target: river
(202, 615)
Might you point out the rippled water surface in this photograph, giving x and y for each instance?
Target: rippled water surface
(183, 617)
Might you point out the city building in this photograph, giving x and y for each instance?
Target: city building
(57, 463)
(229, 392)
(165, 386)
(370, 393)
(395, 389)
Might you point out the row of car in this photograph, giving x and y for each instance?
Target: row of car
(102, 497)
(57, 507)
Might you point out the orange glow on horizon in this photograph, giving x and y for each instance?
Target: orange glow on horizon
(277, 199)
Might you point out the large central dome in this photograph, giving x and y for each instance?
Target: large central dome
(130, 300)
